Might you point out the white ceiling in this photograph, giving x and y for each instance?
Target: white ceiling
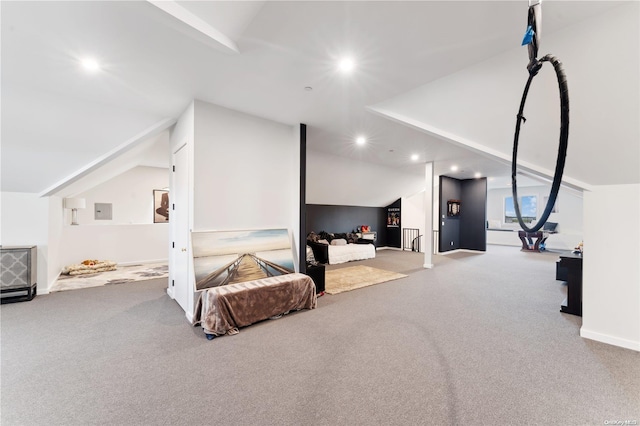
(56, 118)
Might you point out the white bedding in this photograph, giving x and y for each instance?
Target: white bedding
(349, 252)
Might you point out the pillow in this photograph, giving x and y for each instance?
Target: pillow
(323, 242)
(310, 257)
(324, 235)
(339, 242)
(312, 236)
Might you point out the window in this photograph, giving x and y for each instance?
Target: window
(528, 209)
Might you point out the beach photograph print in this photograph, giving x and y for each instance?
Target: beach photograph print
(229, 257)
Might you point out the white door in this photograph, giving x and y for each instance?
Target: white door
(179, 215)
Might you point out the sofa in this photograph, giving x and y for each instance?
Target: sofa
(338, 248)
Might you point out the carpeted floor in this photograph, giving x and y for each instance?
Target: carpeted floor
(477, 340)
(123, 274)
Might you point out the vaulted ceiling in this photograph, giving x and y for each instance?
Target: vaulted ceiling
(276, 60)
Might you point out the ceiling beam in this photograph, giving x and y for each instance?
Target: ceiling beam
(523, 166)
(180, 13)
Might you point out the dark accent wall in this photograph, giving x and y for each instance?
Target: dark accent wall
(449, 227)
(394, 234)
(467, 230)
(302, 248)
(329, 218)
(473, 218)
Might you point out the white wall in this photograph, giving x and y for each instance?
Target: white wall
(55, 226)
(244, 174)
(124, 244)
(611, 270)
(246, 171)
(413, 216)
(131, 196)
(28, 219)
(569, 205)
(429, 199)
(130, 238)
(181, 279)
(25, 222)
(336, 180)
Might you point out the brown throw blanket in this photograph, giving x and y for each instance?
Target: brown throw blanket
(222, 310)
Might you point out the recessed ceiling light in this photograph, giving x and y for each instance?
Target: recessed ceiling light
(415, 157)
(477, 175)
(346, 65)
(361, 140)
(454, 168)
(90, 64)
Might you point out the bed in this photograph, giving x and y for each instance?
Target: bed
(335, 254)
(224, 309)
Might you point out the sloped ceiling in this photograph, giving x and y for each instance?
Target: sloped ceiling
(476, 107)
(56, 118)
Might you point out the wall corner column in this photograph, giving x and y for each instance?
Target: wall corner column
(302, 252)
(428, 216)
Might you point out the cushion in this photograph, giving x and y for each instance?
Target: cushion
(323, 242)
(91, 268)
(310, 257)
(322, 235)
(339, 242)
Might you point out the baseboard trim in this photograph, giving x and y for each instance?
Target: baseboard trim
(428, 266)
(47, 290)
(444, 253)
(170, 292)
(610, 340)
(189, 316)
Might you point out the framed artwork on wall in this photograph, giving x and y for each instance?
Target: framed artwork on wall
(453, 208)
(393, 217)
(160, 206)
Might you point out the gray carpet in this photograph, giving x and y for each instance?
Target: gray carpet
(477, 340)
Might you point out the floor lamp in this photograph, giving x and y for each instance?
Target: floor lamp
(74, 204)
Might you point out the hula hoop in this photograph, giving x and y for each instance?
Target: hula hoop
(534, 67)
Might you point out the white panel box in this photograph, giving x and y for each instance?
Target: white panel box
(103, 211)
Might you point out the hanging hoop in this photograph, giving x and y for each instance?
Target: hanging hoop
(534, 67)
